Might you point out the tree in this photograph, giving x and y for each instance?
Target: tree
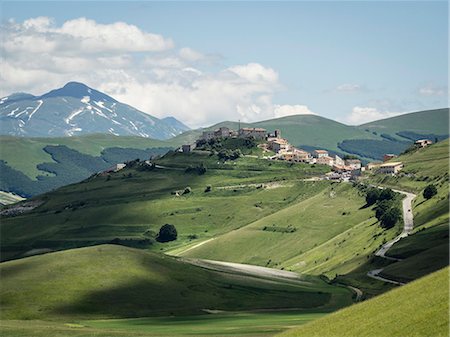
(387, 194)
(382, 207)
(372, 196)
(167, 233)
(429, 191)
(390, 218)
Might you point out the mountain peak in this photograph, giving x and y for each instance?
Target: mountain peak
(78, 90)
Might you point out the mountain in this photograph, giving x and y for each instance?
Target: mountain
(77, 109)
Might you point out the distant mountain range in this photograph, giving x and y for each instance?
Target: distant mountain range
(77, 109)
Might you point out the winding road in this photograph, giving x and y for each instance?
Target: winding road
(408, 225)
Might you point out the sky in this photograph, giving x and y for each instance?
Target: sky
(206, 62)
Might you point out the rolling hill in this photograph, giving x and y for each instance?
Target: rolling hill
(132, 202)
(77, 109)
(421, 122)
(111, 281)
(417, 309)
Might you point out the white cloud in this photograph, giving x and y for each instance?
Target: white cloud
(254, 72)
(191, 55)
(138, 68)
(80, 36)
(433, 90)
(361, 115)
(349, 88)
(289, 110)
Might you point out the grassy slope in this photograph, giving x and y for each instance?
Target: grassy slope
(236, 324)
(99, 210)
(319, 220)
(31, 151)
(426, 249)
(110, 281)
(422, 122)
(417, 309)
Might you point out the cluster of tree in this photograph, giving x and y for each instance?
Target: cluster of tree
(218, 144)
(199, 169)
(372, 148)
(411, 135)
(227, 154)
(385, 210)
(350, 156)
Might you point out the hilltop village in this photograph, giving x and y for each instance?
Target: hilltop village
(278, 148)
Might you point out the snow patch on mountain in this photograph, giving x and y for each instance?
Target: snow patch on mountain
(40, 102)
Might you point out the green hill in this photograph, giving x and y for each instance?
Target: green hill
(131, 205)
(421, 122)
(417, 309)
(30, 166)
(112, 281)
(335, 217)
(301, 130)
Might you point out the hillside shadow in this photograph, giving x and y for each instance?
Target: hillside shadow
(143, 298)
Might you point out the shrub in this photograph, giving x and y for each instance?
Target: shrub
(200, 169)
(429, 191)
(167, 233)
(229, 154)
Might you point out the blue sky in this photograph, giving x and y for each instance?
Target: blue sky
(348, 61)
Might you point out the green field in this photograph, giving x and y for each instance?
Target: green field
(417, 309)
(111, 281)
(103, 287)
(268, 242)
(237, 324)
(133, 207)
